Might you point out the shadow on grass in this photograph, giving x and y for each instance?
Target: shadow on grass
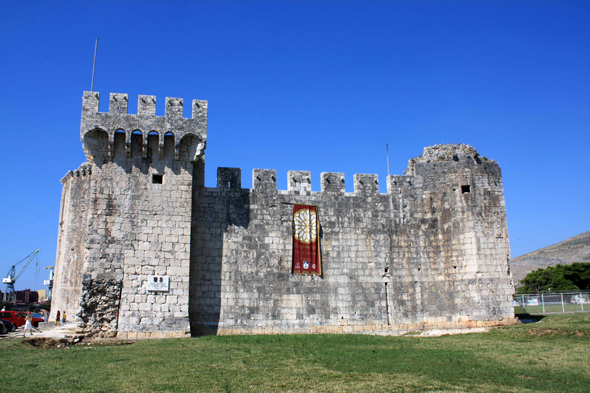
(529, 318)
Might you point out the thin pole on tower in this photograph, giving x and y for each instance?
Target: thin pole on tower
(387, 152)
(94, 65)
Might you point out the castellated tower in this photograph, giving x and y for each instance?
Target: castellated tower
(146, 250)
(126, 217)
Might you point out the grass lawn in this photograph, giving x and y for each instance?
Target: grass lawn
(552, 355)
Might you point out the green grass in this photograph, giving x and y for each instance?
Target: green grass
(549, 356)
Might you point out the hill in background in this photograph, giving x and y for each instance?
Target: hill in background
(574, 249)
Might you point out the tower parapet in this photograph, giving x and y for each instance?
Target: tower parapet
(117, 120)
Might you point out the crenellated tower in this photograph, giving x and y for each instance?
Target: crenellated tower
(131, 242)
(145, 123)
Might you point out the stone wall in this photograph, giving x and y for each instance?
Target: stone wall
(71, 242)
(431, 253)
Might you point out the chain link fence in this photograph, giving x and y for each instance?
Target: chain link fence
(551, 302)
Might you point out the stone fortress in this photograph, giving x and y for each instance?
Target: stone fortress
(146, 250)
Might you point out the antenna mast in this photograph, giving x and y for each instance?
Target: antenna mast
(387, 152)
(94, 65)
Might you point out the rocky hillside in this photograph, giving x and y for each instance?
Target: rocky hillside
(574, 249)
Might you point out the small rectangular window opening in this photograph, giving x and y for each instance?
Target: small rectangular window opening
(157, 179)
(465, 189)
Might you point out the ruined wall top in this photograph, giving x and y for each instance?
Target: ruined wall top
(446, 152)
(461, 159)
(117, 119)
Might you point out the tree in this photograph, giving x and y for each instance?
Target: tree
(557, 278)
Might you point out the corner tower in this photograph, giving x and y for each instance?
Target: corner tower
(126, 223)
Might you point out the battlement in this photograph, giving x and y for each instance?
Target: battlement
(119, 104)
(433, 164)
(299, 181)
(332, 182)
(229, 178)
(265, 180)
(83, 170)
(366, 184)
(144, 123)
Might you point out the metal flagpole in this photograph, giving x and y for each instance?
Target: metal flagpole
(94, 65)
(387, 151)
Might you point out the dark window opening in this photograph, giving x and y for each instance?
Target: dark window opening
(465, 189)
(157, 179)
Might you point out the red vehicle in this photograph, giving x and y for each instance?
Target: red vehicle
(18, 318)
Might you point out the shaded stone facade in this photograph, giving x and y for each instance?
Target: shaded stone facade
(430, 253)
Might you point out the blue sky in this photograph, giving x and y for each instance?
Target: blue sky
(301, 85)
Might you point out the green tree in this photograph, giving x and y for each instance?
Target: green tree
(557, 278)
(579, 274)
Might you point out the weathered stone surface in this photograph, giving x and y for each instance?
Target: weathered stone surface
(72, 238)
(99, 306)
(431, 253)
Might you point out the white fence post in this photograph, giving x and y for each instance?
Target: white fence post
(562, 306)
(543, 302)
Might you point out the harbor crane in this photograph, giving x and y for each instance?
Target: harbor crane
(11, 277)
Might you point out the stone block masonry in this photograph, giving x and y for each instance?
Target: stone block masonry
(432, 252)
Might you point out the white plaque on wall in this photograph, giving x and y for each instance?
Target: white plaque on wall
(158, 283)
